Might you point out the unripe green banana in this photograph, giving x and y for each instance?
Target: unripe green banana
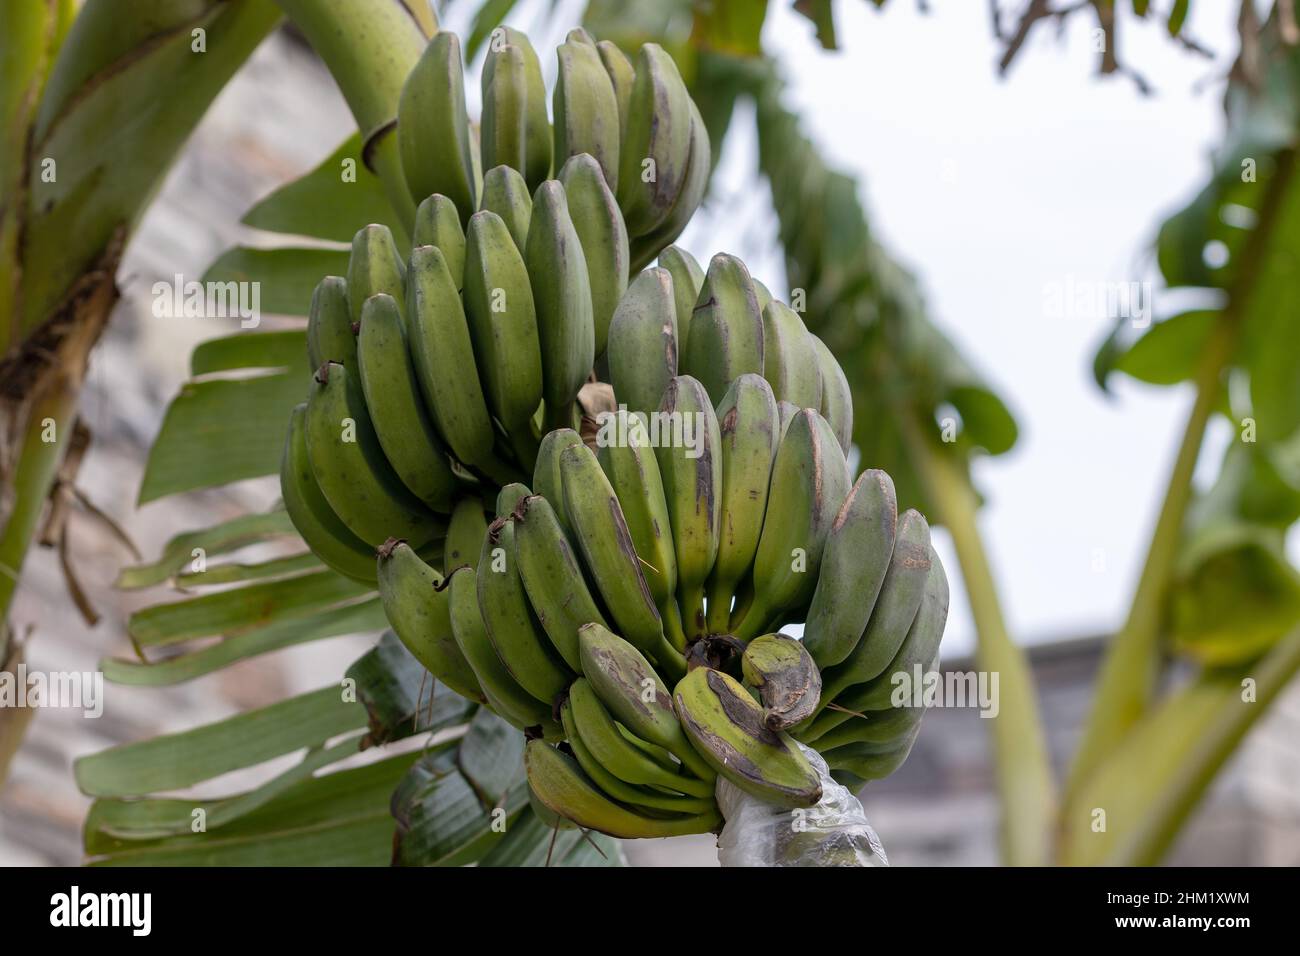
(633, 473)
(656, 149)
(895, 610)
(787, 680)
(646, 246)
(611, 558)
(323, 530)
(622, 77)
(562, 786)
(726, 336)
(553, 577)
(537, 127)
(508, 499)
(633, 693)
(506, 194)
(786, 411)
(599, 224)
(507, 698)
(548, 817)
(513, 629)
(562, 298)
(396, 408)
(585, 107)
(726, 727)
(789, 359)
(503, 327)
(443, 356)
(419, 614)
(692, 479)
(465, 534)
(811, 480)
(546, 472)
(920, 647)
(438, 223)
(329, 325)
(885, 729)
(837, 400)
(868, 761)
(618, 789)
(351, 470)
(643, 342)
(374, 267)
(503, 127)
(854, 562)
(433, 126)
(611, 746)
(764, 297)
(747, 426)
(688, 279)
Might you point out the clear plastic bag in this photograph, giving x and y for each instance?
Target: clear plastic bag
(835, 832)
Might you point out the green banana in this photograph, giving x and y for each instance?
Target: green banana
(508, 498)
(837, 400)
(763, 295)
(323, 530)
(525, 87)
(647, 245)
(553, 577)
(633, 473)
(599, 224)
(920, 647)
(655, 154)
(503, 126)
(585, 107)
(811, 480)
(786, 411)
(789, 359)
(602, 535)
(351, 470)
(561, 785)
(688, 279)
(611, 746)
(504, 696)
(895, 610)
(643, 342)
(503, 327)
(374, 266)
(562, 298)
(635, 696)
(868, 761)
(329, 325)
(512, 627)
(692, 480)
(726, 727)
(506, 194)
(747, 426)
(438, 223)
(854, 563)
(405, 433)
(433, 137)
(787, 680)
(622, 77)
(546, 472)
(726, 335)
(419, 614)
(443, 356)
(465, 534)
(882, 728)
(616, 788)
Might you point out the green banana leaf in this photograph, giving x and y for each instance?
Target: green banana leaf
(219, 539)
(285, 276)
(330, 201)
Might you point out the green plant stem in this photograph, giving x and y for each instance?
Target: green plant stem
(1129, 670)
(1023, 767)
(370, 47)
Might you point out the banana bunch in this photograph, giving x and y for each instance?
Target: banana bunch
(625, 139)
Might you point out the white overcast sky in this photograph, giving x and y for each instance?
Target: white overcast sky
(994, 191)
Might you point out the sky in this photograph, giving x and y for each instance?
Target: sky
(1001, 195)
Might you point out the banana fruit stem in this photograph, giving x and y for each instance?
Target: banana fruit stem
(1023, 769)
